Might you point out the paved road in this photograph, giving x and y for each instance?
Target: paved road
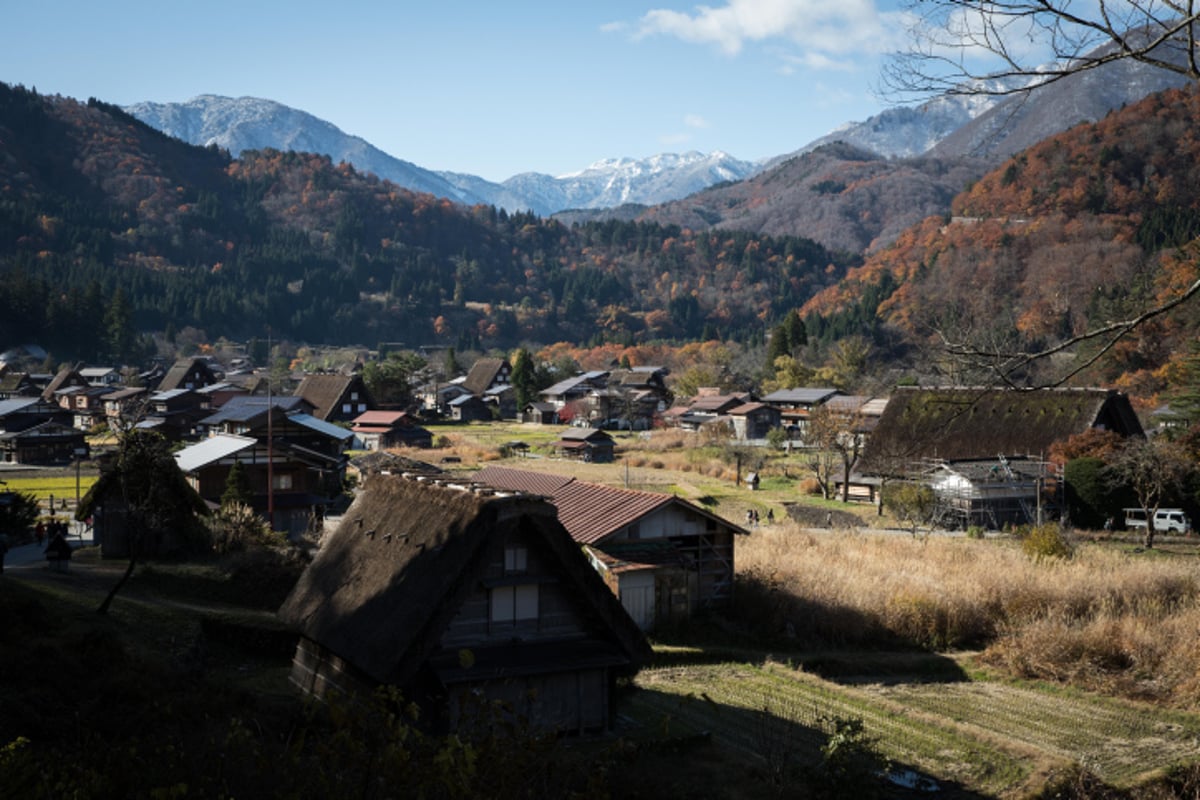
(33, 556)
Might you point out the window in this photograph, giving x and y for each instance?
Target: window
(514, 603)
(516, 559)
(345, 408)
(354, 395)
(281, 481)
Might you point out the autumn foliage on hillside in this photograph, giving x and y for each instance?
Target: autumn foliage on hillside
(90, 197)
(1092, 225)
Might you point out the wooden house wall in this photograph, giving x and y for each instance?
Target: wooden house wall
(706, 544)
(557, 615)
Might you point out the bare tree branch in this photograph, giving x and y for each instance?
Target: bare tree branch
(1004, 365)
(1005, 47)
(1014, 47)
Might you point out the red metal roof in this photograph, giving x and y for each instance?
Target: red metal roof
(589, 511)
(379, 417)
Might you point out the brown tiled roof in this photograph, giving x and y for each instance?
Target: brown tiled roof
(387, 418)
(746, 408)
(717, 404)
(589, 511)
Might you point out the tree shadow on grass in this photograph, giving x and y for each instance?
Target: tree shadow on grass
(688, 745)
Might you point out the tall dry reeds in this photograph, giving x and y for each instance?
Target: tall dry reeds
(1115, 621)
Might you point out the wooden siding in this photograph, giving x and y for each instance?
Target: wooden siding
(557, 617)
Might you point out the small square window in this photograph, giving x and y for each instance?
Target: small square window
(516, 559)
(514, 603)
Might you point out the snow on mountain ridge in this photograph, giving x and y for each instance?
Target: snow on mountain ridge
(249, 123)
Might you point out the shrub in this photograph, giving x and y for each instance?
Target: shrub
(1046, 541)
(974, 532)
(237, 527)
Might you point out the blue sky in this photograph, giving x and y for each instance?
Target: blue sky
(487, 88)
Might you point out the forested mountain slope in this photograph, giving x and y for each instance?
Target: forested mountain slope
(1092, 225)
(846, 198)
(92, 201)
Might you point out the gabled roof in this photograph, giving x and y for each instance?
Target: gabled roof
(591, 435)
(381, 418)
(18, 381)
(17, 404)
(124, 393)
(65, 377)
(49, 428)
(405, 557)
(800, 396)
(965, 423)
(168, 395)
(749, 408)
(588, 379)
(245, 407)
(321, 426)
(590, 512)
(212, 450)
(325, 392)
(180, 370)
(718, 404)
(483, 374)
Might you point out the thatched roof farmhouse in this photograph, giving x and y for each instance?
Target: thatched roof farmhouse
(447, 590)
(952, 424)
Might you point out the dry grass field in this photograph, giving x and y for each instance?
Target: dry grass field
(965, 659)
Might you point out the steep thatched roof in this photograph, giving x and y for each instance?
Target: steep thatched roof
(406, 556)
(966, 423)
(483, 374)
(327, 392)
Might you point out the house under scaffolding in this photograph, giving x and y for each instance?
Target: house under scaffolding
(993, 493)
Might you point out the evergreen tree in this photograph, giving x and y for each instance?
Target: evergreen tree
(237, 487)
(452, 367)
(120, 337)
(796, 333)
(524, 378)
(779, 345)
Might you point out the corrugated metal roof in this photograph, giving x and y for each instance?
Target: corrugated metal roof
(212, 449)
(589, 511)
(379, 417)
(806, 396)
(320, 425)
(16, 404)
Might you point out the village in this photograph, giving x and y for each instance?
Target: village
(542, 556)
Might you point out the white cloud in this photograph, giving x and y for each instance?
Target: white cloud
(820, 28)
(695, 121)
(674, 139)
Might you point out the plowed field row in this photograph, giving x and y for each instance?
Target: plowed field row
(987, 737)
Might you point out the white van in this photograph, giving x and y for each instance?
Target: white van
(1165, 519)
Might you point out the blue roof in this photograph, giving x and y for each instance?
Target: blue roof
(16, 404)
(243, 408)
(212, 449)
(320, 425)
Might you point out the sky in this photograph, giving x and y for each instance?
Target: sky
(485, 88)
